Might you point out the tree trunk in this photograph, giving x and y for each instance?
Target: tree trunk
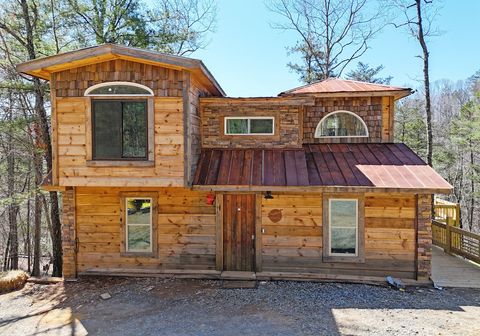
(57, 235)
(426, 83)
(38, 216)
(29, 247)
(46, 142)
(6, 259)
(12, 206)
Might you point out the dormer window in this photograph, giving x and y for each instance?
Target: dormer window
(341, 124)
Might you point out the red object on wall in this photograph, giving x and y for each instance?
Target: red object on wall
(210, 198)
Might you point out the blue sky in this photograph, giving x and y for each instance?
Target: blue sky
(249, 58)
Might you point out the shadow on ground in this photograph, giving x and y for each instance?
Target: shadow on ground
(193, 307)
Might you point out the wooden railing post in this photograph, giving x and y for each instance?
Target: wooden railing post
(458, 217)
(448, 235)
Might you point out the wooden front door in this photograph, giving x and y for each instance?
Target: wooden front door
(239, 232)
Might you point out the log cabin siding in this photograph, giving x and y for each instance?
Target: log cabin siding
(185, 227)
(297, 122)
(287, 125)
(193, 141)
(73, 82)
(74, 140)
(292, 228)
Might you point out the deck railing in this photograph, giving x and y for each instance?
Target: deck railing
(446, 232)
(445, 209)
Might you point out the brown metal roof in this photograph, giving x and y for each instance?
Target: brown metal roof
(389, 166)
(337, 85)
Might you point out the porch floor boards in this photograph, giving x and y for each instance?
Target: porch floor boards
(452, 271)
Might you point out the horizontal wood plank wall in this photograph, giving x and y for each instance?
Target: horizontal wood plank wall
(286, 116)
(73, 82)
(368, 108)
(185, 226)
(72, 144)
(292, 236)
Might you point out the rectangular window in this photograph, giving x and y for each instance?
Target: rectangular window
(119, 129)
(343, 225)
(138, 224)
(249, 125)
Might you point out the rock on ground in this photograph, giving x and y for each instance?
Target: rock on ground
(193, 307)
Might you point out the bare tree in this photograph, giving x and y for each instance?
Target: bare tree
(418, 16)
(171, 26)
(26, 31)
(332, 33)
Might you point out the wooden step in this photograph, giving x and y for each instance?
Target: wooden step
(238, 275)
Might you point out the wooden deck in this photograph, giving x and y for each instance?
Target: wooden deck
(453, 271)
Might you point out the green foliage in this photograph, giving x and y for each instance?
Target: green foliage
(111, 21)
(365, 73)
(170, 26)
(410, 125)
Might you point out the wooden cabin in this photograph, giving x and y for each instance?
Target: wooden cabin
(161, 174)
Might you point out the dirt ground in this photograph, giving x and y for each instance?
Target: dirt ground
(193, 307)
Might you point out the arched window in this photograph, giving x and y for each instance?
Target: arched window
(121, 122)
(118, 89)
(340, 124)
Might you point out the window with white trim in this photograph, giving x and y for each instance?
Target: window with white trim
(112, 89)
(138, 224)
(343, 227)
(249, 126)
(341, 124)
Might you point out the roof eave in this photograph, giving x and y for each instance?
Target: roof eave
(397, 94)
(105, 52)
(319, 189)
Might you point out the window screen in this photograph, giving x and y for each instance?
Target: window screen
(119, 129)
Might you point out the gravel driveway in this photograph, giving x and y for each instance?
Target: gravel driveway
(194, 307)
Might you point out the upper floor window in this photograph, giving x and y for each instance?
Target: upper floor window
(341, 124)
(118, 89)
(249, 125)
(119, 129)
